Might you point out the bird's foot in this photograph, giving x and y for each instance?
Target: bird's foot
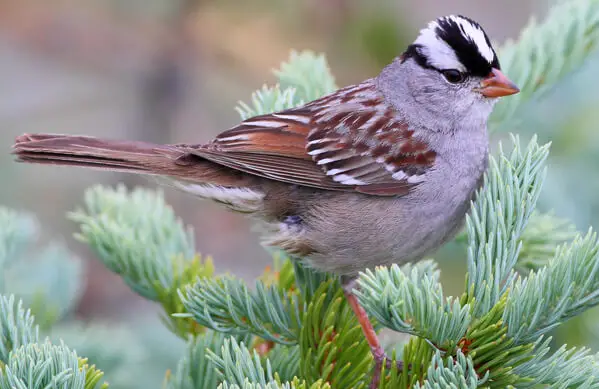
(380, 358)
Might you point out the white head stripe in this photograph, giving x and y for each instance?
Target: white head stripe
(476, 35)
(439, 54)
(442, 56)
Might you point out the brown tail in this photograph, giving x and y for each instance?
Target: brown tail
(122, 156)
(135, 157)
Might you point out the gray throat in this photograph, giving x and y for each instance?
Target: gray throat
(423, 98)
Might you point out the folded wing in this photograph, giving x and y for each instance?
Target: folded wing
(349, 141)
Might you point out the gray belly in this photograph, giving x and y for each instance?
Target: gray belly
(345, 233)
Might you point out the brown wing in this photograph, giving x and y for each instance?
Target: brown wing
(346, 141)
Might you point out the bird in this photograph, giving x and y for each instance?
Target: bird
(377, 173)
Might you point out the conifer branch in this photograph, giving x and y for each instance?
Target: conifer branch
(285, 361)
(566, 287)
(493, 352)
(196, 370)
(185, 272)
(547, 52)
(307, 279)
(577, 368)
(226, 305)
(498, 218)
(540, 239)
(452, 372)
(295, 384)
(242, 369)
(236, 363)
(331, 343)
(17, 327)
(308, 73)
(267, 100)
(136, 235)
(119, 349)
(41, 366)
(304, 77)
(413, 303)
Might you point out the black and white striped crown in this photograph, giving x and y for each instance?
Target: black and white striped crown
(454, 42)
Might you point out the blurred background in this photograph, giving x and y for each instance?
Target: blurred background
(171, 71)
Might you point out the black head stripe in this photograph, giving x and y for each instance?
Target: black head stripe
(465, 48)
(414, 51)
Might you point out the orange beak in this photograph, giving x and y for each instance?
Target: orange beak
(497, 85)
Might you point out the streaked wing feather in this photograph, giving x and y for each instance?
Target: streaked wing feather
(363, 139)
(276, 167)
(286, 139)
(349, 140)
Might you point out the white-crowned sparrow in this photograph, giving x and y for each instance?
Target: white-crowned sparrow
(376, 173)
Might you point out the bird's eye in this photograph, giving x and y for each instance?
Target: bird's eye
(454, 76)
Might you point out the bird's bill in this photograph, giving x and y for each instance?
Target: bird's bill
(496, 84)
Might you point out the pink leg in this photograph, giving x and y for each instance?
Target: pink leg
(377, 350)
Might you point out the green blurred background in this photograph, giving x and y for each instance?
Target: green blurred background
(172, 71)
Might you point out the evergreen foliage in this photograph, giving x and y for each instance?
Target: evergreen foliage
(528, 272)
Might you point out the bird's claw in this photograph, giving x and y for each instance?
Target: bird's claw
(381, 357)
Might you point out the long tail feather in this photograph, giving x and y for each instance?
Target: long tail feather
(135, 157)
(181, 169)
(126, 156)
(123, 156)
